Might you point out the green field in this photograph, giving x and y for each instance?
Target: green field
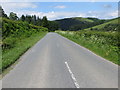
(108, 26)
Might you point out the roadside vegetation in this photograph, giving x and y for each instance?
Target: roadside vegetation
(19, 34)
(17, 38)
(102, 39)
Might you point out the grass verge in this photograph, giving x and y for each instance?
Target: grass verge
(99, 45)
(9, 56)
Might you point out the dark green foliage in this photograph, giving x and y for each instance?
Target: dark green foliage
(45, 22)
(2, 13)
(22, 18)
(13, 16)
(108, 27)
(28, 19)
(9, 42)
(53, 25)
(34, 20)
(111, 25)
(17, 37)
(31, 19)
(39, 21)
(17, 29)
(78, 23)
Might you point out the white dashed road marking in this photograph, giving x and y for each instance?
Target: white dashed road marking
(72, 76)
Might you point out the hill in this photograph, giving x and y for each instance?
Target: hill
(111, 25)
(78, 23)
(102, 39)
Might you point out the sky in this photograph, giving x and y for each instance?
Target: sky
(59, 0)
(59, 10)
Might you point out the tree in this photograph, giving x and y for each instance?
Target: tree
(45, 22)
(13, 16)
(39, 21)
(33, 19)
(2, 13)
(53, 25)
(22, 18)
(28, 18)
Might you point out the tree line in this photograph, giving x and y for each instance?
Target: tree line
(78, 23)
(31, 19)
(17, 36)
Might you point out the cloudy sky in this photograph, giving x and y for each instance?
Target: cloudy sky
(58, 10)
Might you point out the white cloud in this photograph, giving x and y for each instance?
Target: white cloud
(11, 7)
(19, 5)
(20, 8)
(93, 0)
(103, 15)
(60, 6)
(114, 14)
(51, 15)
(107, 6)
(59, 15)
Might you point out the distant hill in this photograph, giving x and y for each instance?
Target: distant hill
(111, 25)
(78, 23)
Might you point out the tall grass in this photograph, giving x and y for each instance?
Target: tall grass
(104, 44)
(17, 37)
(9, 56)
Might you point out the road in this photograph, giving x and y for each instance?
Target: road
(56, 62)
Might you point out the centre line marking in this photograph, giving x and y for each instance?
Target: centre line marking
(72, 76)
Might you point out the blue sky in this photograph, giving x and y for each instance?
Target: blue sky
(58, 10)
(76, 6)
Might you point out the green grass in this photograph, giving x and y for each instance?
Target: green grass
(9, 56)
(83, 19)
(98, 44)
(101, 26)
